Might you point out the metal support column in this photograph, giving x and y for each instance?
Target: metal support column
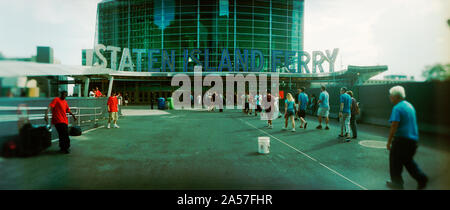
(111, 80)
(86, 87)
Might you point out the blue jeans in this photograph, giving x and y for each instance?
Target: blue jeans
(345, 123)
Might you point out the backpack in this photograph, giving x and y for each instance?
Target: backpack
(356, 107)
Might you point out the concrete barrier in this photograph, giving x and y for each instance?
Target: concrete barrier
(430, 100)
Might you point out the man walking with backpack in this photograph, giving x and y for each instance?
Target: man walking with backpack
(324, 108)
(302, 104)
(344, 114)
(354, 111)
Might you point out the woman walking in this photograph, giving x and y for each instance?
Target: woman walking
(289, 111)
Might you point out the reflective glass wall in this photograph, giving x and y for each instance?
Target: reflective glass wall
(266, 25)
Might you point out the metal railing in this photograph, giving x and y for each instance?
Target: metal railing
(95, 114)
(22, 112)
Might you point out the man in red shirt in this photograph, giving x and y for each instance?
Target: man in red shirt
(113, 110)
(59, 109)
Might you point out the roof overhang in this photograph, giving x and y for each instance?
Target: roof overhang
(31, 69)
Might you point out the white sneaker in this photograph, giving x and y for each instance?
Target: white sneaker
(284, 129)
(293, 129)
(109, 126)
(116, 126)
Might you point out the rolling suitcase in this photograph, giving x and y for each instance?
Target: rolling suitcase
(33, 139)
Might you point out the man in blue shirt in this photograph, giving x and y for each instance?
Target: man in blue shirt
(324, 108)
(405, 133)
(344, 113)
(302, 104)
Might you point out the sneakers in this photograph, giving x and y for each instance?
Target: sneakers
(293, 130)
(284, 128)
(108, 126)
(327, 128)
(116, 126)
(319, 127)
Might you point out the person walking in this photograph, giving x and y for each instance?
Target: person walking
(276, 98)
(251, 102)
(297, 113)
(247, 105)
(112, 109)
(324, 108)
(302, 104)
(126, 99)
(402, 141)
(354, 112)
(344, 114)
(258, 99)
(270, 102)
(289, 111)
(59, 108)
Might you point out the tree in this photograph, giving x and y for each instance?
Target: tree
(437, 72)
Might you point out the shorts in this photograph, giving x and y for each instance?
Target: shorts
(113, 116)
(323, 112)
(290, 113)
(246, 106)
(302, 113)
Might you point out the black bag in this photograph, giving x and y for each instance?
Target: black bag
(75, 131)
(33, 139)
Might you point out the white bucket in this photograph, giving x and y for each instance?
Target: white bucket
(264, 145)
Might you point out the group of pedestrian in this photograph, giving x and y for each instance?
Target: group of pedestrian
(402, 141)
(216, 99)
(252, 103)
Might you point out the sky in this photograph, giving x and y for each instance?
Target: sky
(406, 35)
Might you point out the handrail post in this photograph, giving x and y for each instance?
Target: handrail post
(79, 116)
(95, 116)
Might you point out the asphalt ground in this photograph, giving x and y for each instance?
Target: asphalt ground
(179, 149)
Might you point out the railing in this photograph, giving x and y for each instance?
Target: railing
(95, 114)
(23, 112)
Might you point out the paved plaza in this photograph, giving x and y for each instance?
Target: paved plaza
(179, 149)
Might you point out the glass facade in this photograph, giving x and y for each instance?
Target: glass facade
(207, 25)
